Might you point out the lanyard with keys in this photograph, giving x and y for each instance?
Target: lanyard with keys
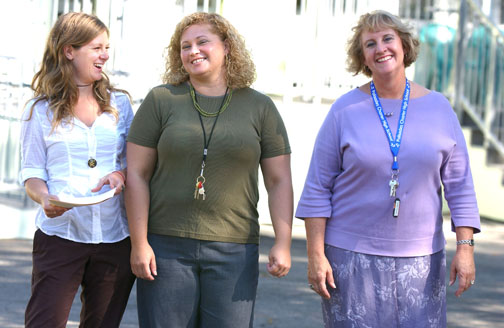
(200, 180)
(394, 143)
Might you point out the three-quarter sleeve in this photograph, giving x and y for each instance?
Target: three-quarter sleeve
(458, 184)
(33, 148)
(325, 166)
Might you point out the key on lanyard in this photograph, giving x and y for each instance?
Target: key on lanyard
(200, 189)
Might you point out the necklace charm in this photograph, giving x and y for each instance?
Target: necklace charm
(200, 189)
(395, 212)
(92, 163)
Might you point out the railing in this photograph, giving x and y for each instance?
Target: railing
(13, 93)
(479, 96)
(466, 63)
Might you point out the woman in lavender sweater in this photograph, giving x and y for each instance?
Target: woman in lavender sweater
(372, 198)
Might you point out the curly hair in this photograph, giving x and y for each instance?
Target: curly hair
(239, 67)
(376, 21)
(54, 82)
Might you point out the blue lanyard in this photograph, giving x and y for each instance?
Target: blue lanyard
(394, 143)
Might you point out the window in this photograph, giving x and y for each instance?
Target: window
(417, 9)
(207, 6)
(301, 7)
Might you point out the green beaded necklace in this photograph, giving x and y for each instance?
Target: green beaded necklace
(205, 113)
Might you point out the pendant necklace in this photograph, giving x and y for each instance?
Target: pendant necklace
(200, 180)
(394, 144)
(92, 162)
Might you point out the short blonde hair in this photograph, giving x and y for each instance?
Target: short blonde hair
(240, 69)
(376, 21)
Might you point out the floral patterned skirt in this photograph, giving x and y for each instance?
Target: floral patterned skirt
(380, 291)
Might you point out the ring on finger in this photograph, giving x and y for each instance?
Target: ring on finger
(311, 287)
(472, 282)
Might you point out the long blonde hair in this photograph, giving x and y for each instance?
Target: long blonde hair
(54, 81)
(240, 69)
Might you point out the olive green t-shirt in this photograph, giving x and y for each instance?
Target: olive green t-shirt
(249, 130)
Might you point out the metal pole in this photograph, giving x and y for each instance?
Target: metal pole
(459, 55)
(489, 101)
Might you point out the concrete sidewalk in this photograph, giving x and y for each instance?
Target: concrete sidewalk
(287, 302)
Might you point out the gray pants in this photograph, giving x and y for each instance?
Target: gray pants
(199, 284)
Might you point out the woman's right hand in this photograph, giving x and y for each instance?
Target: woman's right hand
(143, 262)
(37, 190)
(320, 275)
(52, 211)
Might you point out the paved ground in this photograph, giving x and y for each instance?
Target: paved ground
(286, 302)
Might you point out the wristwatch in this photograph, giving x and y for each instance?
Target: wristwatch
(469, 242)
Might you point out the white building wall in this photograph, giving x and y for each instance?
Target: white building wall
(24, 25)
(295, 55)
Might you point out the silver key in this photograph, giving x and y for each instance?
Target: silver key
(393, 187)
(196, 191)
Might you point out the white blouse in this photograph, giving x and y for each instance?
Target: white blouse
(61, 159)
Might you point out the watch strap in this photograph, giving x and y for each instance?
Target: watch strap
(469, 242)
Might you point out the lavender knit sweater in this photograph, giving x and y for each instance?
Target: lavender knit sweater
(348, 179)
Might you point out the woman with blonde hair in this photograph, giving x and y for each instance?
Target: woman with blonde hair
(73, 142)
(194, 150)
(372, 198)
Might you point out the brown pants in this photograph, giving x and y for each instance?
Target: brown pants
(60, 266)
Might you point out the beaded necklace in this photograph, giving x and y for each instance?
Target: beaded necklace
(224, 105)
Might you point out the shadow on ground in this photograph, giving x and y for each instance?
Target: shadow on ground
(285, 302)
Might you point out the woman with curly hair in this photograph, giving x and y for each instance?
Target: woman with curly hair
(194, 150)
(372, 198)
(73, 142)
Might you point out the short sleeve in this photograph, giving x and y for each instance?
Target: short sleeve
(274, 139)
(146, 126)
(33, 148)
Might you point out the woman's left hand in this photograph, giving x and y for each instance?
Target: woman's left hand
(114, 180)
(463, 268)
(279, 260)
